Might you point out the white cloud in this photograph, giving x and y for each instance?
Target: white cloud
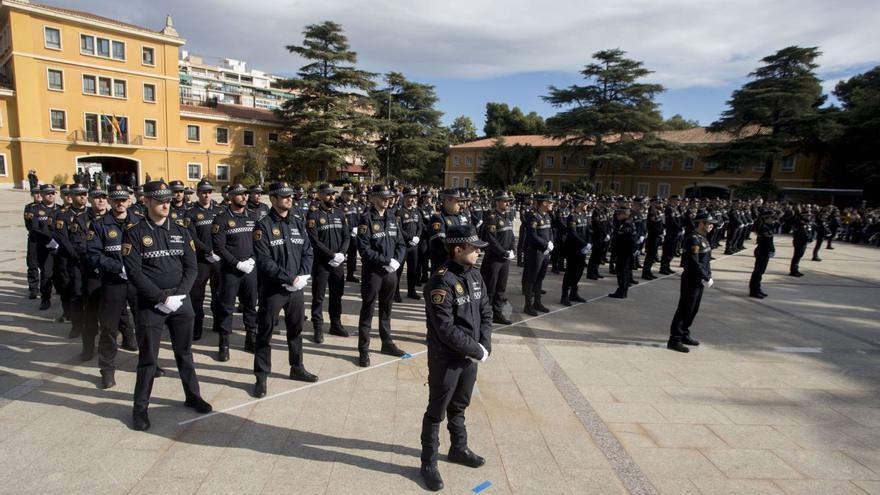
(687, 42)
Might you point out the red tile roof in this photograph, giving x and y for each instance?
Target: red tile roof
(697, 135)
(234, 111)
(94, 17)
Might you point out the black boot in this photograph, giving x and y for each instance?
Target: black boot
(397, 297)
(432, 477)
(575, 297)
(413, 295)
(337, 329)
(260, 388)
(45, 304)
(250, 341)
(198, 404)
(364, 359)
(564, 300)
(676, 345)
(223, 349)
(108, 379)
(319, 333)
(197, 334)
(687, 340)
(528, 308)
(465, 457)
(300, 374)
(540, 306)
(140, 421)
(501, 320)
(392, 350)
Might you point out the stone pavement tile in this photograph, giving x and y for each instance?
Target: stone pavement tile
(819, 487)
(631, 435)
(865, 416)
(683, 436)
(820, 437)
(752, 437)
(753, 396)
(192, 454)
(696, 395)
(751, 464)
(710, 379)
(161, 485)
(675, 487)
(235, 475)
(691, 414)
(816, 414)
(755, 415)
(673, 463)
(639, 394)
(308, 466)
(869, 458)
(594, 481)
(531, 470)
(872, 487)
(628, 413)
(283, 484)
(868, 436)
(644, 378)
(10, 427)
(797, 396)
(827, 465)
(716, 486)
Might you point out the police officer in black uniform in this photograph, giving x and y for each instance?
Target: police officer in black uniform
(382, 250)
(577, 244)
(449, 214)
(329, 236)
(655, 231)
(411, 227)
(497, 232)
(232, 236)
(426, 209)
(352, 211)
(33, 264)
(47, 246)
(459, 324)
(71, 239)
(697, 254)
(178, 205)
(199, 219)
(105, 255)
(284, 260)
(625, 243)
(600, 237)
(160, 261)
(764, 250)
(537, 247)
(255, 194)
(672, 222)
(801, 236)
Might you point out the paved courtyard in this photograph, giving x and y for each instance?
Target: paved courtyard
(781, 397)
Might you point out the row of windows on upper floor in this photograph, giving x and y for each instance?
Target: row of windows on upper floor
(116, 129)
(94, 85)
(688, 164)
(98, 46)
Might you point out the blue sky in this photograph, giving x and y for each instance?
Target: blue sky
(476, 51)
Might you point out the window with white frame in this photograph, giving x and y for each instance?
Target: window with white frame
(549, 161)
(105, 86)
(103, 47)
(222, 135)
(663, 190)
(3, 172)
(788, 164)
(148, 56)
(455, 182)
(456, 161)
(86, 44)
(90, 85)
(646, 164)
(118, 50)
(248, 138)
(193, 133)
(643, 189)
(710, 166)
(119, 88)
(149, 93)
(56, 79)
(468, 162)
(150, 129)
(193, 171)
(688, 163)
(52, 38)
(666, 165)
(57, 120)
(222, 173)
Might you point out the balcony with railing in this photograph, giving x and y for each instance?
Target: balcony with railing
(83, 137)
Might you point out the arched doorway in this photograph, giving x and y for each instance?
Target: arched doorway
(121, 170)
(707, 191)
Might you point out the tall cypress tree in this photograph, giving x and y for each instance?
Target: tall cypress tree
(328, 122)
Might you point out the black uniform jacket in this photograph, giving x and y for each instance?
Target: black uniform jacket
(497, 230)
(160, 260)
(328, 232)
(696, 253)
(379, 239)
(459, 313)
(283, 249)
(105, 245)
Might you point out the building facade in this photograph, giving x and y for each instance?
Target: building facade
(688, 176)
(229, 82)
(80, 91)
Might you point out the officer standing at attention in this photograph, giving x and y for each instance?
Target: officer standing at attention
(233, 239)
(577, 244)
(600, 236)
(382, 249)
(329, 237)
(199, 219)
(625, 244)
(411, 226)
(801, 236)
(41, 230)
(284, 261)
(655, 231)
(71, 242)
(764, 250)
(537, 247)
(105, 255)
(497, 232)
(697, 254)
(160, 261)
(352, 211)
(33, 264)
(459, 334)
(448, 215)
(672, 221)
(178, 205)
(427, 211)
(255, 193)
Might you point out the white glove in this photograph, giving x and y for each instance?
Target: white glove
(354, 231)
(549, 246)
(163, 308)
(337, 260)
(213, 258)
(300, 282)
(485, 354)
(245, 266)
(52, 244)
(174, 302)
(607, 238)
(122, 274)
(289, 287)
(415, 241)
(586, 249)
(641, 239)
(511, 255)
(394, 264)
(710, 283)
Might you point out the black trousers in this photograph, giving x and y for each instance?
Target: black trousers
(596, 258)
(761, 261)
(576, 262)
(114, 297)
(799, 250)
(624, 272)
(91, 311)
(351, 259)
(818, 246)
(411, 262)
(494, 271)
(208, 272)
(651, 244)
(534, 271)
(520, 243)
(33, 266)
(52, 272)
(450, 384)
(668, 253)
(150, 322)
(424, 264)
(690, 295)
(322, 276)
(76, 292)
(272, 301)
(234, 283)
(375, 285)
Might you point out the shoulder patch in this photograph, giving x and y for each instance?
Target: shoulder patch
(192, 245)
(440, 271)
(126, 248)
(215, 228)
(310, 223)
(438, 296)
(90, 236)
(695, 248)
(362, 229)
(436, 226)
(492, 228)
(258, 234)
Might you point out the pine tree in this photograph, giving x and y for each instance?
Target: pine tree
(462, 130)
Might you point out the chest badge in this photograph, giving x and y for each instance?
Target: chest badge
(174, 215)
(231, 223)
(322, 220)
(459, 289)
(501, 223)
(112, 234)
(276, 231)
(147, 241)
(200, 216)
(448, 222)
(406, 216)
(376, 227)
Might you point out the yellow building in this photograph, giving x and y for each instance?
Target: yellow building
(556, 169)
(82, 91)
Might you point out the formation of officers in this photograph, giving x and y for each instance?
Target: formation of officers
(153, 256)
